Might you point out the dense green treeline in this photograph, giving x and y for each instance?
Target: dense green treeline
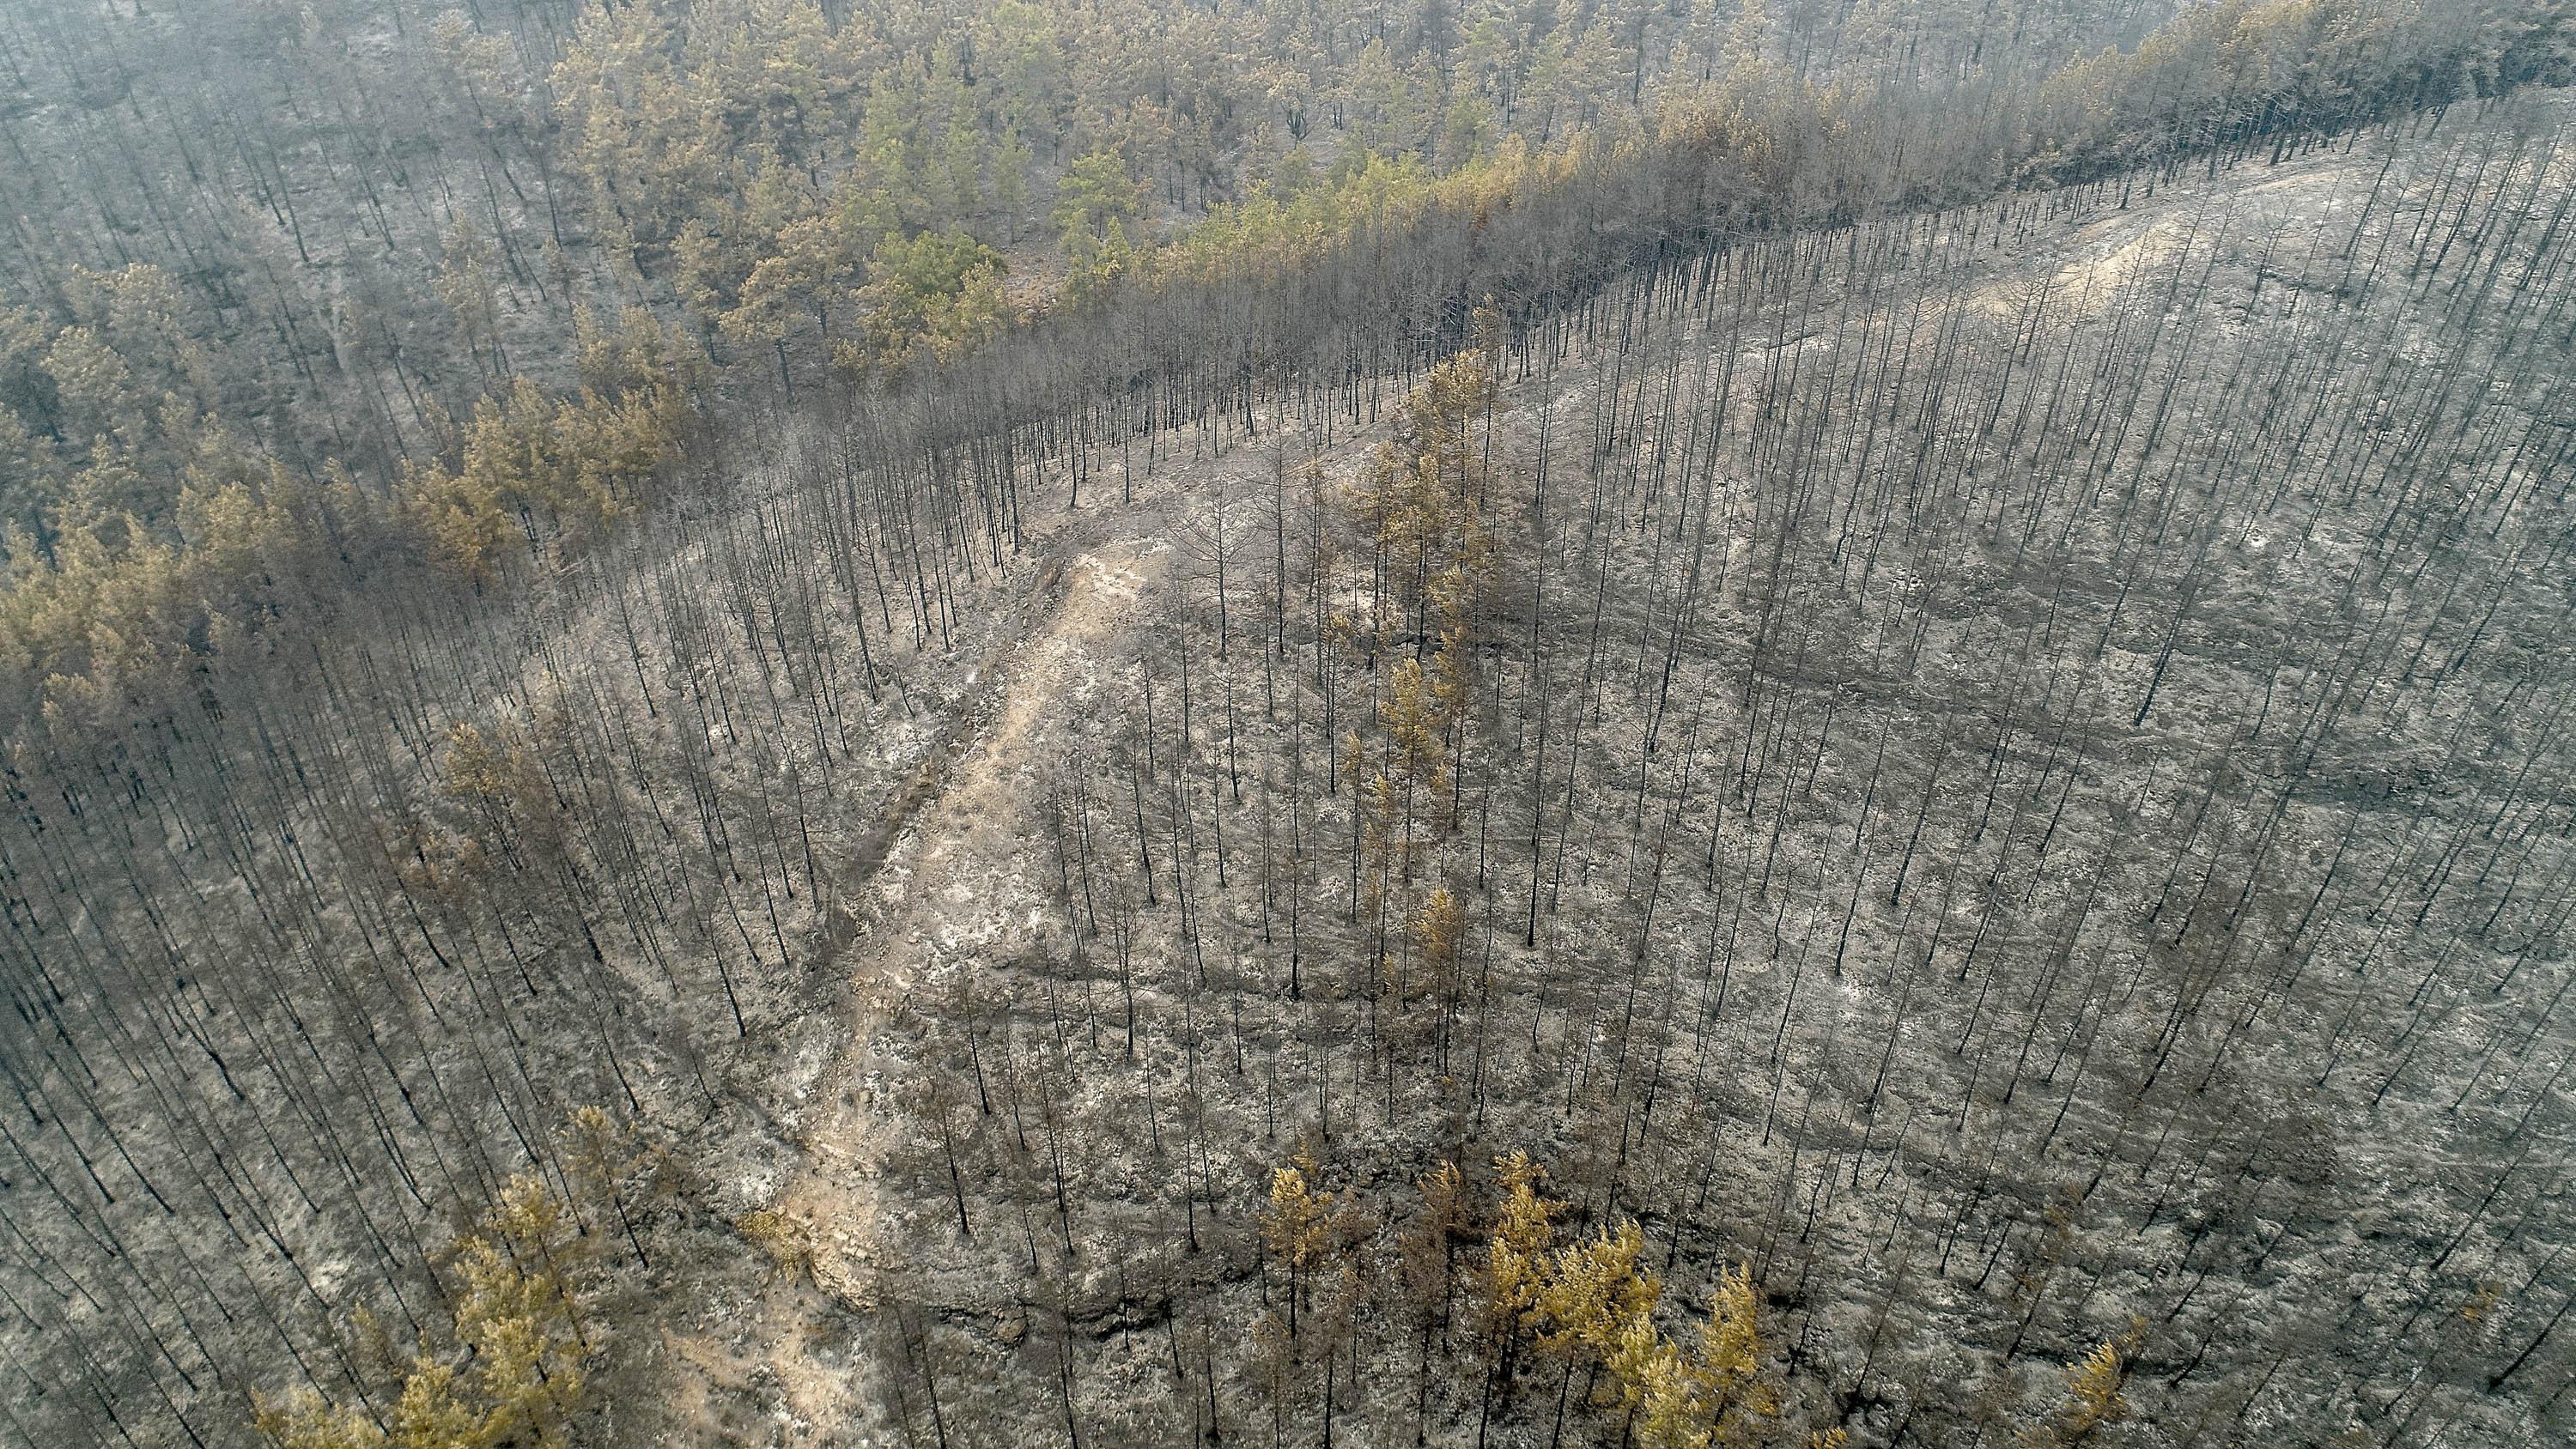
(359, 211)
(367, 217)
(1366, 262)
(109, 618)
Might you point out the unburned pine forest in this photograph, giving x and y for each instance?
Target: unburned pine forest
(1675, 723)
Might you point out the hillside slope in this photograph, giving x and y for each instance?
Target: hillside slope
(2007, 776)
(2002, 770)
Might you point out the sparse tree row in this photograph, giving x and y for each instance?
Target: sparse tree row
(2019, 795)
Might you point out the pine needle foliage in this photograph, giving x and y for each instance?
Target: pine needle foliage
(523, 1326)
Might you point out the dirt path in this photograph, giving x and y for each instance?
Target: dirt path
(958, 882)
(950, 871)
(950, 879)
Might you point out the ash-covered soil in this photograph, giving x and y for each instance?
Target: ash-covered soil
(2013, 779)
(2006, 770)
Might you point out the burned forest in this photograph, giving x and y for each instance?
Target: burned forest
(1691, 725)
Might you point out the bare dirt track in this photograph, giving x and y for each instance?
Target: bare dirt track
(961, 879)
(951, 874)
